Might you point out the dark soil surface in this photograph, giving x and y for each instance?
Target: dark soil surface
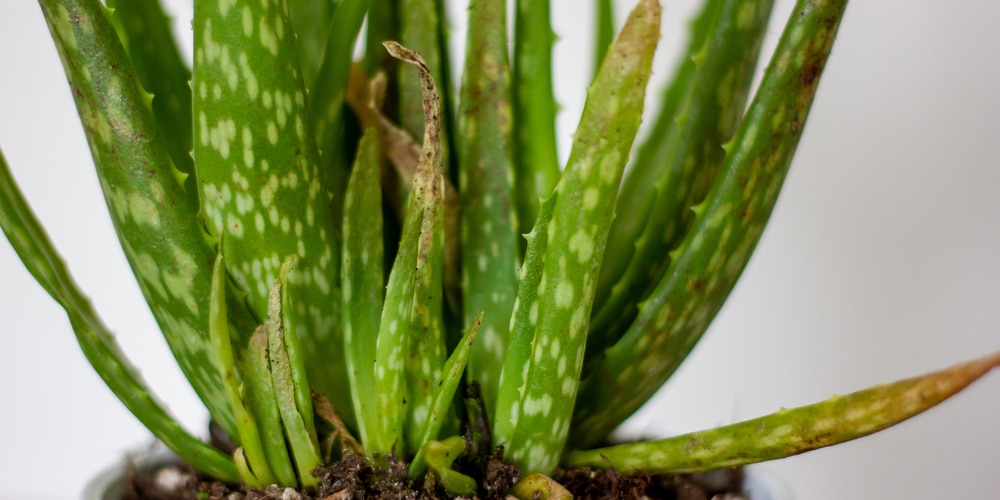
(355, 478)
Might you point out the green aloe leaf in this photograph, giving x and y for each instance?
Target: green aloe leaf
(261, 188)
(790, 432)
(727, 226)
(326, 98)
(383, 25)
(148, 39)
(426, 351)
(262, 401)
(605, 31)
(403, 152)
(291, 389)
(524, 317)
(444, 394)
(679, 160)
(248, 434)
(577, 234)
(489, 272)
(411, 337)
(363, 278)
(440, 456)
(311, 21)
(35, 249)
(327, 95)
(422, 29)
(393, 340)
(157, 221)
(536, 159)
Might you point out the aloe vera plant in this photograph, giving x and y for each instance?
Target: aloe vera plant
(253, 220)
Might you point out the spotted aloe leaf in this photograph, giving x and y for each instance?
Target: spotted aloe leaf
(536, 160)
(444, 394)
(411, 337)
(790, 432)
(363, 278)
(676, 166)
(576, 235)
(148, 39)
(156, 220)
(514, 374)
(426, 350)
(33, 246)
(489, 273)
(727, 226)
(394, 327)
(403, 152)
(276, 394)
(260, 185)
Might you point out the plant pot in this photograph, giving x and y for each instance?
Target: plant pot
(110, 483)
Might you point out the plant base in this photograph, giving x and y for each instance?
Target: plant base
(161, 477)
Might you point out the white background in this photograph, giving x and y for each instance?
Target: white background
(880, 261)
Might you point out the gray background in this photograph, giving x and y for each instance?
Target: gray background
(880, 261)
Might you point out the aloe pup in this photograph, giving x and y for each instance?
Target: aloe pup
(558, 238)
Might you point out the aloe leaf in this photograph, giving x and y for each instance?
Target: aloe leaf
(605, 14)
(243, 467)
(536, 160)
(577, 235)
(678, 163)
(790, 432)
(312, 24)
(149, 41)
(403, 153)
(426, 352)
(326, 97)
(248, 435)
(261, 400)
(636, 198)
(301, 389)
(399, 314)
(489, 271)
(383, 25)
(524, 317)
(362, 280)
(444, 394)
(35, 250)
(393, 339)
(156, 220)
(260, 186)
(290, 384)
(422, 30)
(727, 226)
(440, 456)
